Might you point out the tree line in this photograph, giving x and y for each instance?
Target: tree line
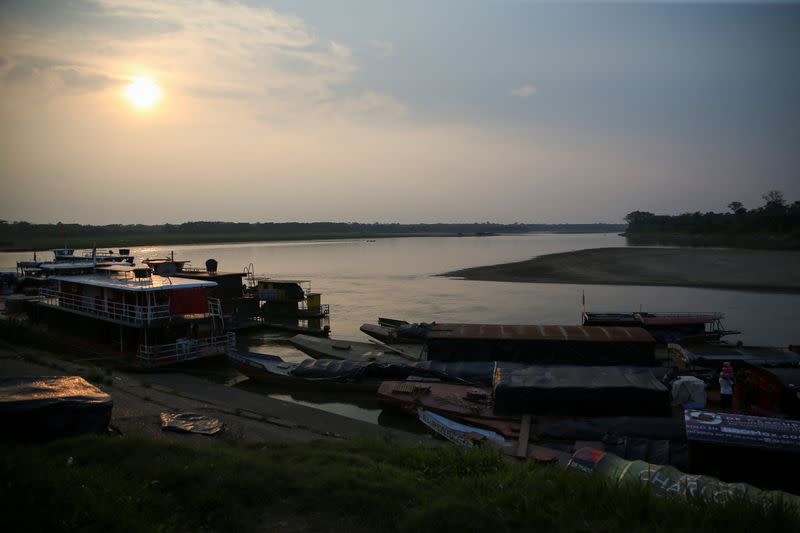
(27, 235)
(776, 217)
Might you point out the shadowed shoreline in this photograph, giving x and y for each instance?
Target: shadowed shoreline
(683, 267)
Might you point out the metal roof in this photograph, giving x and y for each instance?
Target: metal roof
(198, 274)
(539, 333)
(152, 283)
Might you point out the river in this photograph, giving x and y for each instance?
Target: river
(395, 277)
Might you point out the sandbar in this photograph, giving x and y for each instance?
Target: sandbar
(723, 268)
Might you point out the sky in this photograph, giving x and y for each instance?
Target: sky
(379, 111)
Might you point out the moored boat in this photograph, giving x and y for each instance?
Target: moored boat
(354, 351)
(395, 332)
(354, 375)
(666, 327)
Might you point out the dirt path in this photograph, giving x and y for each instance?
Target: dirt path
(248, 417)
(685, 267)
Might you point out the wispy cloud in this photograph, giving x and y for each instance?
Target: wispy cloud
(241, 54)
(524, 92)
(384, 48)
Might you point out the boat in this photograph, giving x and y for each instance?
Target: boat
(70, 255)
(354, 375)
(157, 320)
(354, 351)
(391, 322)
(681, 328)
(397, 334)
(250, 302)
(342, 375)
(580, 391)
(542, 344)
(466, 403)
(713, 355)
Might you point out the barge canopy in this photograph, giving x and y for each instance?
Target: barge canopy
(581, 345)
(580, 391)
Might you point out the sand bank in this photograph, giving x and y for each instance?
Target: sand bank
(685, 267)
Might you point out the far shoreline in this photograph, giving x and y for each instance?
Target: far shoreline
(183, 240)
(709, 268)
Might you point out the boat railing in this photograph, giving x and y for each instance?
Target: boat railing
(324, 309)
(705, 315)
(193, 270)
(152, 355)
(104, 309)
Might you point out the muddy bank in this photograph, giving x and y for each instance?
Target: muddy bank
(139, 398)
(685, 267)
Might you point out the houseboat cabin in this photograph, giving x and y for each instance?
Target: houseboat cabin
(290, 297)
(161, 319)
(69, 255)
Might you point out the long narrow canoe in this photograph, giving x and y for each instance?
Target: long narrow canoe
(275, 371)
(355, 351)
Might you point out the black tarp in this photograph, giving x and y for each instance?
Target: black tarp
(580, 391)
(49, 407)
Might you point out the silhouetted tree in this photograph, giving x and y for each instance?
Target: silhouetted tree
(774, 199)
(737, 208)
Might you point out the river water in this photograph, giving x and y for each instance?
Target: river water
(394, 277)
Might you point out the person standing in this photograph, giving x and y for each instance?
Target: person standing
(726, 386)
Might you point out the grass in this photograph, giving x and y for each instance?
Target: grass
(135, 484)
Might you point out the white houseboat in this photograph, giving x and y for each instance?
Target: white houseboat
(161, 320)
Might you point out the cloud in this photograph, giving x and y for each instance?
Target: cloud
(384, 48)
(524, 92)
(339, 50)
(57, 74)
(270, 63)
(371, 104)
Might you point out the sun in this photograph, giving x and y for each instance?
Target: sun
(143, 93)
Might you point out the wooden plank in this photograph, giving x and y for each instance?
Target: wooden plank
(524, 433)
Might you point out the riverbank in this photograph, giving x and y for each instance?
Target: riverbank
(684, 267)
(284, 467)
(134, 483)
(21, 237)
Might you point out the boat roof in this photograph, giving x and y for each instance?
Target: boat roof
(160, 261)
(711, 350)
(72, 266)
(116, 267)
(152, 283)
(537, 332)
(720, 353)
(203, 274)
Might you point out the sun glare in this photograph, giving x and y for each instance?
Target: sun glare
(143, 93)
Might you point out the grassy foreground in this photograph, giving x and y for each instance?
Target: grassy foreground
(134, 484)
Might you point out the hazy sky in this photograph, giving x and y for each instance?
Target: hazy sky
(428, 111)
